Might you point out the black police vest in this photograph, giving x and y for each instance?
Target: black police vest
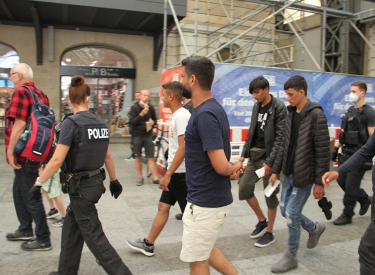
(92, 148)
(355, 132)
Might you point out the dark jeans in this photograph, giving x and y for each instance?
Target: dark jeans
(366, 248)
(351, 185)
(81, 225)
(28, 209)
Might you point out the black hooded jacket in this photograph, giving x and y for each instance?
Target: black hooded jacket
(312, 152)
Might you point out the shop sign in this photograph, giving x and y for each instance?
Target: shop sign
(97, 72)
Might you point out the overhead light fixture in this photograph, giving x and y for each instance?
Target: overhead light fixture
(68, 60)
(94, 62)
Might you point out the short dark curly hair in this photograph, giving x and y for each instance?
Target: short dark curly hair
(296, 82)
(202, 68)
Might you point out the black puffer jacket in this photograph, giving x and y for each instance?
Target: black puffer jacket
(273, 130)
(312, 152)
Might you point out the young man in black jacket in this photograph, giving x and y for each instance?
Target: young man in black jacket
(261, 146)
(303, 158)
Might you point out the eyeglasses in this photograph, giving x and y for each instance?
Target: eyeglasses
(10, 74)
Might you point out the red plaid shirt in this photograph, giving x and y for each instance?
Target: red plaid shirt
(19, 107)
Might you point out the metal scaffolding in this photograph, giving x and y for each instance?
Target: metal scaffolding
(340, 19)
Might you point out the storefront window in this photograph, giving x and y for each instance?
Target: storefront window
(8, 59)
(110, 74)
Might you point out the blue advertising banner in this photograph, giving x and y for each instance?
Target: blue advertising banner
(331, 91)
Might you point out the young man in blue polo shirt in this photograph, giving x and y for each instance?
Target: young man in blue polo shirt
(208, 171)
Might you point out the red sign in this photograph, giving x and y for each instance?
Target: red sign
(168, 76)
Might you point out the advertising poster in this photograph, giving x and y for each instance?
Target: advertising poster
(231, 89)
(168, 76)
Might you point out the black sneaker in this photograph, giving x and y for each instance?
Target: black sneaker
(155, 181)
(52, 214)
(364, 207)
(35, 246)
(130, 158)
(20, 236)
(260, 229)
(179, 216)
(141, 246)
(265, 240)
(54, 273)
(342, 220)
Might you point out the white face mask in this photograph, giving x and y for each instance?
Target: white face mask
(353, 97)
(142, 102)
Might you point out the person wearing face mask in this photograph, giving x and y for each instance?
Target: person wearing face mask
(357, 126)
(142, 120)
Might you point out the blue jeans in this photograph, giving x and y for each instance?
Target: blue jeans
(292, 202)
(28, 209)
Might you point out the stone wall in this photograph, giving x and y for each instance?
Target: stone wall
(47, 76)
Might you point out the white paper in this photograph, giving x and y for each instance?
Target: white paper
(148, 125)
(269, 189)
(260, 172)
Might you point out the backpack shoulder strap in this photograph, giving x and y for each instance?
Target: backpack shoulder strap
(33, 95)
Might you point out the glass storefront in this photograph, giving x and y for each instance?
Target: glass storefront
(110, 74)
(8, 59)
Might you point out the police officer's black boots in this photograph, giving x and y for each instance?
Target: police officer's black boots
(326, 207)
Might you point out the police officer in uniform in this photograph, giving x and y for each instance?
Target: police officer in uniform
(357, 126)
(83, 148)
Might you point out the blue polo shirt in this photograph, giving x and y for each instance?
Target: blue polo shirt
(208, 129)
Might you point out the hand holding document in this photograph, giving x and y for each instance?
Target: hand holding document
(260, 172)
(269, 189)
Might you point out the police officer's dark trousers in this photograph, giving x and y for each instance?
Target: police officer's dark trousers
(351, 185)
(81, 225)
(366, 248)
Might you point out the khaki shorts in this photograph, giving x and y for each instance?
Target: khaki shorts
(248, 181)
(201, 228)
(52, 186)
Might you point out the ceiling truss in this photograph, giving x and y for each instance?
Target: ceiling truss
(338, 24)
